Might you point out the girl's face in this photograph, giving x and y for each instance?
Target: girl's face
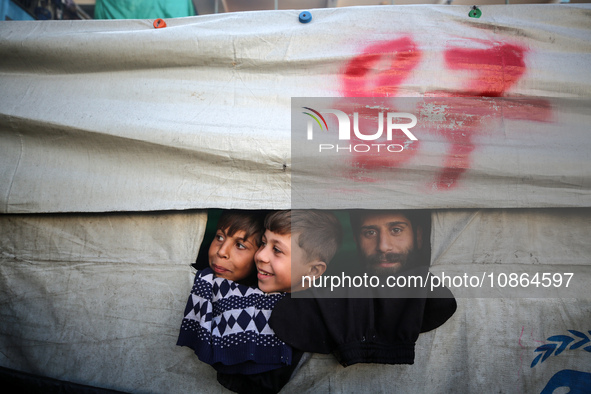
(232, 257)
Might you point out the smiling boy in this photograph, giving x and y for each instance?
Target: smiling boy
(295, 244)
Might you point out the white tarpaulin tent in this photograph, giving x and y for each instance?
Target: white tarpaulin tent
(116, 137)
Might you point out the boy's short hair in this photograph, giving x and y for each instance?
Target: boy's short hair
(320, 232)
(251, 222)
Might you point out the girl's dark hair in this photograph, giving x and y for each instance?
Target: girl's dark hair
(251, 222)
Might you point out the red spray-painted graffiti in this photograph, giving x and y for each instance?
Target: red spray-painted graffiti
(495, 69)
(381, 70)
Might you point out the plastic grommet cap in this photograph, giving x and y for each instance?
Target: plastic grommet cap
(475, 12)
(305, 16)
(159, 23)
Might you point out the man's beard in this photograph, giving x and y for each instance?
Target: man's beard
(384, 264)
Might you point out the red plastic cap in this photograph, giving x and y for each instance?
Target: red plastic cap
(159, 23)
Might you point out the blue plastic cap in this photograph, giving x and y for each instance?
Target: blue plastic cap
(305, 16)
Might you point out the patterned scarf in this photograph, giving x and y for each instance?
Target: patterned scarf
(226, 324)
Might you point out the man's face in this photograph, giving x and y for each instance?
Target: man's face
(386, 242)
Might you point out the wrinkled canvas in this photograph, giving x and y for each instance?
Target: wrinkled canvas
(160, 124)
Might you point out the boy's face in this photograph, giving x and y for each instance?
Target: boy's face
(278, 260)
(273, 261)
(232, 257)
